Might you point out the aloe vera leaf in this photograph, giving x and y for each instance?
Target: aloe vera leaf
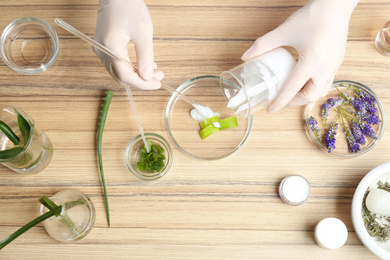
(36, 160)
(9, 153)
(9, 133)
(66, 220)
(26, 227)
(24, 127)
(103, 117)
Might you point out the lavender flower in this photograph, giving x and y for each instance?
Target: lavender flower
(331, 102)
(359, 104)
(367, 130)
(325, 111)
(357, 134)
(365, 96)
(367, 117)
(330, 139)
(353, 145)
(314, 127)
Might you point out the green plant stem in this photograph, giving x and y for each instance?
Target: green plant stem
(66, 220)
(12, 152)
(9, 133)
(24, 127)
(26, 227)
(103, 117)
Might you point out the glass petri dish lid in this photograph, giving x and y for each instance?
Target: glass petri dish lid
(184, 130)
(357, 110)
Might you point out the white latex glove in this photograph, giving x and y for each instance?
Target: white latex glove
(120, 22)
(318, 31)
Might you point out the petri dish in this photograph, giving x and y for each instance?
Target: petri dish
(184, 130)
(342, 146)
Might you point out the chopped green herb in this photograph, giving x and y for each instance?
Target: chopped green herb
(152, 161)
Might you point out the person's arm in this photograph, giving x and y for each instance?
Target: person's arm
(120, 22)
(318, 31)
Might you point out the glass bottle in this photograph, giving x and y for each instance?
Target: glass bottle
(76, 219)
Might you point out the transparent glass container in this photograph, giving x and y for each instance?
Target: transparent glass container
(76, 219)
(260, 80)
(382, 40)
(132, 156)
(342, 146)
(38, 150)
(29, 45)
(184, 130)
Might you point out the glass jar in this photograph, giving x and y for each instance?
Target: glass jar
(132, 156)
(29, 45)
(382, 40)
(38, 149)
(76, 219)
(260, 79)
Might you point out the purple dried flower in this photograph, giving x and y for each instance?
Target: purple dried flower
(357, 133)
(334, 102)
(371, 109)
(314, 126)
(353, 145)
(367, 117)
(359, 104)
(330, 139)
(367, 130)
(325, 111)
(331, 102)
(365, 97)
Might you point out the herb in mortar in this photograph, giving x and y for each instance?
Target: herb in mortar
(356, 113)
(377, 226)
(152, 161)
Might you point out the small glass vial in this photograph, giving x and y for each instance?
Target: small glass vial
(260, 80)
(294, 190)
(382, 40)
(76, 219)
(331, 233)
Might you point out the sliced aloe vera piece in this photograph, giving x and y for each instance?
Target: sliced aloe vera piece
(206, 132)
(209, 121)
(228, 122)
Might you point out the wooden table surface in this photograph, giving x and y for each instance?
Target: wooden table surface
(222, 209)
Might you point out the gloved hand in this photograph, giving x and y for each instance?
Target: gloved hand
(120, 22)
(318, 31)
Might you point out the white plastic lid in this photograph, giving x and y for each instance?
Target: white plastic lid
(331, 233)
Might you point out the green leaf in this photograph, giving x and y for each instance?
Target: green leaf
(65, 220)
(106, 105)
(10, 153)
(9, 133)
(152, 161)
(29, 225)
(24, 127)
